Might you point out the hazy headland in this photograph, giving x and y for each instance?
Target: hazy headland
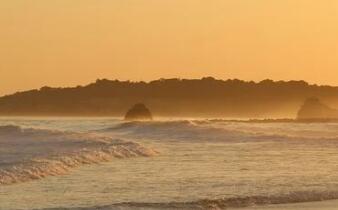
(206, 97)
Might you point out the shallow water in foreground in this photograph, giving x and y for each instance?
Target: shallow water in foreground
(202, 164)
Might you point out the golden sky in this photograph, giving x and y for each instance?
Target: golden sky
(71, 42)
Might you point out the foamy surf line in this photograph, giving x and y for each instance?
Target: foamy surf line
(211, 204)
(29, 154)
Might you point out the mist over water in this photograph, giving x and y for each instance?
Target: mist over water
(200, 164)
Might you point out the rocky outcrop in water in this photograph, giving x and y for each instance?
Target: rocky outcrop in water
(313, 109)
(138, 112)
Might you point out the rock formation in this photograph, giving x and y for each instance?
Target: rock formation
(313, 109)
(138, 112)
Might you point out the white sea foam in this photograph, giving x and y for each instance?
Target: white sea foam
(28, 154)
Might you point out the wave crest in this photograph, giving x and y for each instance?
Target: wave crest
(29, 154)
(207, 130)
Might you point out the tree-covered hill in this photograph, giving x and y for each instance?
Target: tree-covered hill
(206, 97)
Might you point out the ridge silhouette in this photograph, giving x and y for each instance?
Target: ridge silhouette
(206, 97)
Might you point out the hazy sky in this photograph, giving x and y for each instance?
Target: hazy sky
(70, 42)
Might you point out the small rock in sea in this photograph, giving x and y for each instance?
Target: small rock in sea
(314, 109)
(138, 112)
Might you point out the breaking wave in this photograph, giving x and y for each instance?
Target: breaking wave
(29, 154)
(204, 130)
(224, 203)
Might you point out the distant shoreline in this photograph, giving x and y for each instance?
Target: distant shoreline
(207, 97)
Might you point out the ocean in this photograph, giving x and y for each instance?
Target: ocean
(107, 163)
